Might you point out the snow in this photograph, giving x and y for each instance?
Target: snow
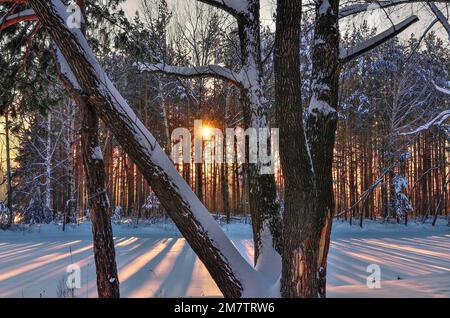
(205, 70)
(436, 121)
(24, 13)
(269, 261)
(443, 90)
(318, 106)
(64, 68)
(324, 7)
(97, 153)
(155, 261)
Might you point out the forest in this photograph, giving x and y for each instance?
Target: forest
(119, 112)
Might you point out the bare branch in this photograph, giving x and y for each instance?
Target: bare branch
(347, 55)
(236, 8)
(371, 5)
(441, 17)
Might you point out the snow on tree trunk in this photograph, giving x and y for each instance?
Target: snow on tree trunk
(233, 275)
(265, 210)
(321, 126)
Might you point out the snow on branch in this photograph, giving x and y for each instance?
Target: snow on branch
(233, 7)
(443, 90)
(436, 121)
(347, 55)
(214, 71)
(11, 19)
(438, 13)
(375, 5)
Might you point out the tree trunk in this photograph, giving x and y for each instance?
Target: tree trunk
(104, 252)
(265, 210)
(306, 152)
(48, 214)
(8, 171)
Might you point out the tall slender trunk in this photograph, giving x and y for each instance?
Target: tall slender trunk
(104, 252)
(69, 208)
(8, 171)
(48, 171)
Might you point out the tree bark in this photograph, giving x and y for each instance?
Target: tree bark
(104, 251)
(265, 210)
(306, 151)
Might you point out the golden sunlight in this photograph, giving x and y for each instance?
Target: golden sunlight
(206, 132)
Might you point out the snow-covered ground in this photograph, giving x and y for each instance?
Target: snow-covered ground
(155, 261)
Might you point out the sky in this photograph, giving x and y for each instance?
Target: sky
(376, 19)
(267, 8)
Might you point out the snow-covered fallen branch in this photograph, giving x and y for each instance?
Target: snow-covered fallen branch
(347, 55)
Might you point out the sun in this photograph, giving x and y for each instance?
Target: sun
(206, 132)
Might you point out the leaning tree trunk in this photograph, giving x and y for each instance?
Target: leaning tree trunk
(227, 267)
(306, 151)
